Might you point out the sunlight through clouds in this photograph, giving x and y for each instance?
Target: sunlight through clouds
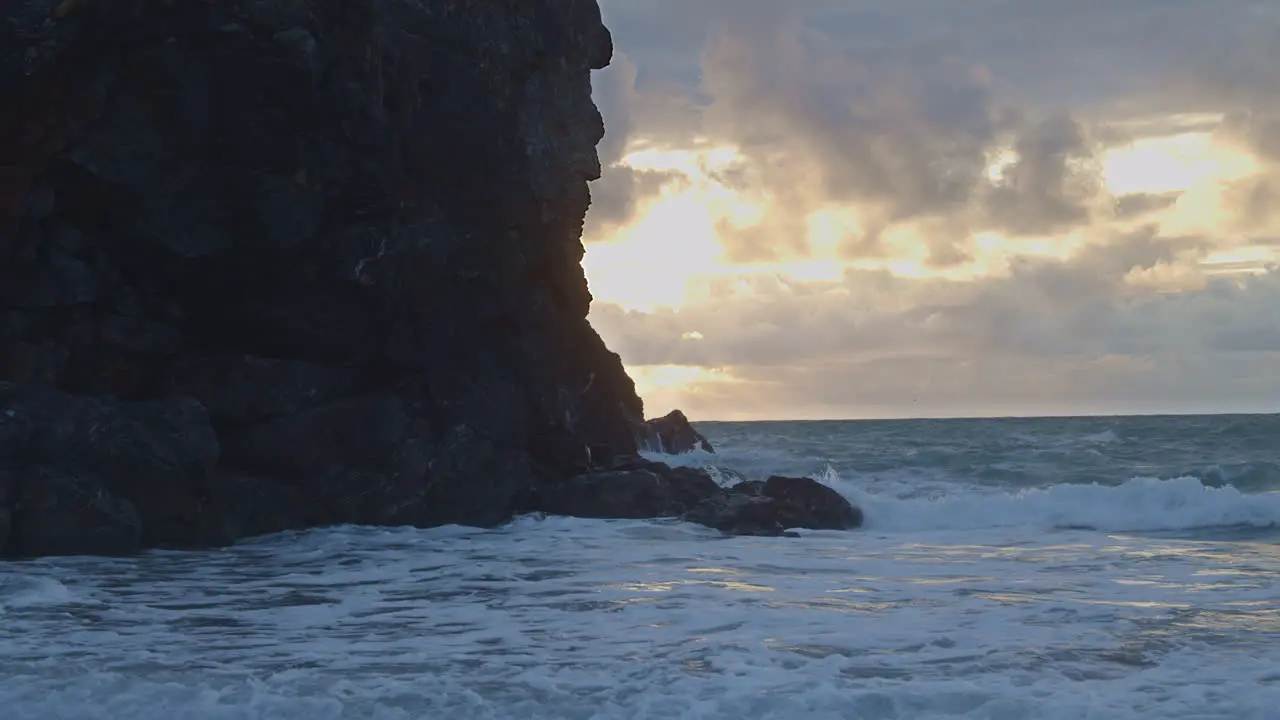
(824, 207)
(1174, 163)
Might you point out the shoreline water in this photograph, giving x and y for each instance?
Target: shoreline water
(934, 611)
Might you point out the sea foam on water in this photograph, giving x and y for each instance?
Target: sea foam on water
(968, 595)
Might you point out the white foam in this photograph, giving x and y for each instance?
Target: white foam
(32, 591)
(1104, 437)
(692, 458)
(1140, 504)
(957, 601)
(911, 504)
(565, 618)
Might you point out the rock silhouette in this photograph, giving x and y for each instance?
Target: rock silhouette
(268, 265)
(672, 434)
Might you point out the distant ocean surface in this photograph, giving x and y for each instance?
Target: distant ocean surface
(1105, 568)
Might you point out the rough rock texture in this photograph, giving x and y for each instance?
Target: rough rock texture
(642, 489)
(81, 473)
(672, 434)
(652, 490)
(274, 263)
(779, 503)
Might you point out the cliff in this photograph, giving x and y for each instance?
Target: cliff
(278, 263)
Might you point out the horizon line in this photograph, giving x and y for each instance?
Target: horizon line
(1076, 416)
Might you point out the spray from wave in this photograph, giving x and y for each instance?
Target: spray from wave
(1139, 504)
(1136, 505)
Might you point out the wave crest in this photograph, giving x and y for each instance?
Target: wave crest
(1140, 504)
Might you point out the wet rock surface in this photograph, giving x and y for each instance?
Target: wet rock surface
(781, 502)
(644, 489)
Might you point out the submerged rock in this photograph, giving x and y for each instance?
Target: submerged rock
(672, 434)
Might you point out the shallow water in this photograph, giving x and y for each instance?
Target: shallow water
(1029, 595)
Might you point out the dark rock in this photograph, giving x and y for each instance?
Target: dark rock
(619, 494)
(357, 460)
(8, 488)
(640, 488)
(739, 514)
(821, 507)
(270, 264)
(257, 505)
(244, 389)
(117, 471)
(349, 228)
(57, 512)
(690, 487)
(775, 505)
(641, 493)
(805, 503)
(672, 434)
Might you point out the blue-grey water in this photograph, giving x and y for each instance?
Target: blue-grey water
(1009, 569)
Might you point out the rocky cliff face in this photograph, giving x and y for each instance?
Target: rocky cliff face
(274, 263)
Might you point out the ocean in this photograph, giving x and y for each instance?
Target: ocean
(1040, 569)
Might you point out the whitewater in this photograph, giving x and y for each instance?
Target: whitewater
(1040, 569)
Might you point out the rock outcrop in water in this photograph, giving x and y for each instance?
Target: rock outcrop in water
(271, 264)
(643, 489)
(672, 433)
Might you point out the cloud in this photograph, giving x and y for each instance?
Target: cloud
(1050, 184)
(1255, 198)
(1041, 307)
(614, 91)
(903, 137)
(1051, 337)
(1137, 205)
(620, 189)
(994, 386)
(818, 127)
(967, 142)
(617, 195)
(613, 195)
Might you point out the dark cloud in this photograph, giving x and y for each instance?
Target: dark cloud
(896, 109)
(1136, 205)
(903, 131)
(620, 189)
(1256, 200)
(1051, 183)
(821, 126)
(615, 197)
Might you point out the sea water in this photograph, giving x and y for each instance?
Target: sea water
(1009, 569)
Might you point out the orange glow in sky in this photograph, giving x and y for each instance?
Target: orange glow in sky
(668, 254)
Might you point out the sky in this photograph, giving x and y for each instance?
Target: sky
(929, 208)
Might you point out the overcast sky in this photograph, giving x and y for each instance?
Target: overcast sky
(859, 208)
